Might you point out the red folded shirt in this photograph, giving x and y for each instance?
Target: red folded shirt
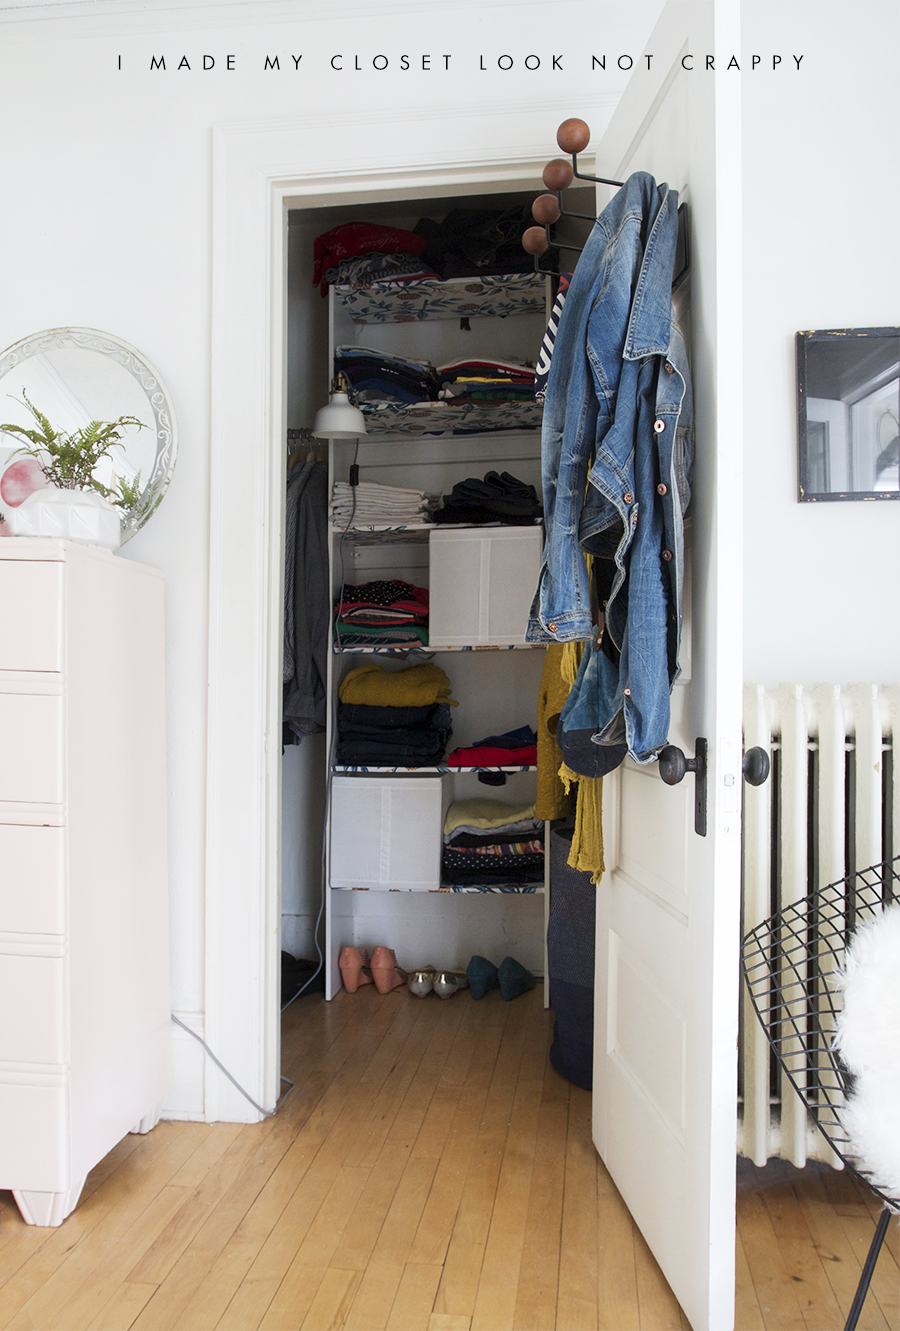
(353, 238)
(484, 756)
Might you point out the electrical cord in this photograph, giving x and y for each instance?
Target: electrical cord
(328, 779)
(266, 1113)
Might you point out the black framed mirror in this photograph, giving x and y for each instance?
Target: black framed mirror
(848, 413)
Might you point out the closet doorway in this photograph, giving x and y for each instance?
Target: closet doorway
(254, 196)
(496, 690)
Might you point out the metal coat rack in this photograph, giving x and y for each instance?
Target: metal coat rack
(573, 136)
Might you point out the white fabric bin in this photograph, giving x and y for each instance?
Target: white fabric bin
(481, 584)
(386, 833)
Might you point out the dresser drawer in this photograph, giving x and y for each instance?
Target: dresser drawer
(31, 1000)
(31, 612)
(32, 880)
(31, 745)
(34, 1133)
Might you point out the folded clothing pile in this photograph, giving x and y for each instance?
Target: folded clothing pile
(515, 748)
(361, 272)
(380, 376)
(392, 736)
(362, 252)
(395, 718)
(488, 842)
(500, 497)
(382, 613)
(370, 504)
(478, 242)
(483, 380)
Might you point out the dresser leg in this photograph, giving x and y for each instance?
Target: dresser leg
(47, 1208)
(149, 1121)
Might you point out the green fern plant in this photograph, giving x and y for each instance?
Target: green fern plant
(68, 460)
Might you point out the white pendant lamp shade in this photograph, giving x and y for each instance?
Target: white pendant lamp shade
(339, 419)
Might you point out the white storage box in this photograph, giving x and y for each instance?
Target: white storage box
(481, 584)
(386, 833)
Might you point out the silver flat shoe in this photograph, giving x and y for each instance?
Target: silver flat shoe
(447, 983)
(421, 982)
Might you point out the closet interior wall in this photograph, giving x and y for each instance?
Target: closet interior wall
(496, 690)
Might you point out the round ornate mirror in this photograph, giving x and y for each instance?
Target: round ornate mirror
(77, 375)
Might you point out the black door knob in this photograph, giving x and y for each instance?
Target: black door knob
(673, 765)
(755, 766)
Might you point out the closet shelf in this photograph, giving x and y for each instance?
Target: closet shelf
(448, 418)
(451, 298)
(401, 649)
(443, 768)
(368, 527)
(521, 889)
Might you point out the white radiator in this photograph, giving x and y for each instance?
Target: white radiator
(830, 806)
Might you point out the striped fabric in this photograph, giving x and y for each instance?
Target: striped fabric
(543, 365)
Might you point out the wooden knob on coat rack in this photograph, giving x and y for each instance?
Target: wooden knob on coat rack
(558, 174)
(534, 240)
(545, 209)
(573, 136)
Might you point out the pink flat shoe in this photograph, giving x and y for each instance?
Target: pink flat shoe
(354, 967)
(385, 971)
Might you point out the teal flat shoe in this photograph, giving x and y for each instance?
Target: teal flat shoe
(482, 975)
(514, 979)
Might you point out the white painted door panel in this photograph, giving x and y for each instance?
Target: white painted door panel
(668, 908)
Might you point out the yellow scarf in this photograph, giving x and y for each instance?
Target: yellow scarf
(587, 841)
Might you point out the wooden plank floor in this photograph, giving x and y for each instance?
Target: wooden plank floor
(429, 1172)
(803, 1235)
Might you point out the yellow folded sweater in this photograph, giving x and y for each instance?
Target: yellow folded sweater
(417, 686)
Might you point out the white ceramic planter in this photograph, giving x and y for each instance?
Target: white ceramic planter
(69, 515)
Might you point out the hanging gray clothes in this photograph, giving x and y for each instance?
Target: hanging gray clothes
(307, 612)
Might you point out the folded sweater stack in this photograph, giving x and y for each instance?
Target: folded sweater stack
(383, 613)
(381, 376)
(484, 380)
(393, 718)
(488, 842)
(371, 504)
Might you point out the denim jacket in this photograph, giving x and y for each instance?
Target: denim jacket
(617, 451)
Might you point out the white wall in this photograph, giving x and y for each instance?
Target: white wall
(821, 209)
(106, 222)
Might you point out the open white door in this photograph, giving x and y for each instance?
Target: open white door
(667, 981)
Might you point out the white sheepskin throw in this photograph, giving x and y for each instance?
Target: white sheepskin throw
(868, 1037)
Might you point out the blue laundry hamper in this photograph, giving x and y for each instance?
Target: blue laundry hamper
(570, 963)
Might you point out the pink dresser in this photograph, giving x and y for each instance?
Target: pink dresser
(85, 1045)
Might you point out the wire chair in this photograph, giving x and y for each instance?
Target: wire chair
(790, 963)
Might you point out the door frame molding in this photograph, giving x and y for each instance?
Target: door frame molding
(260, 169)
